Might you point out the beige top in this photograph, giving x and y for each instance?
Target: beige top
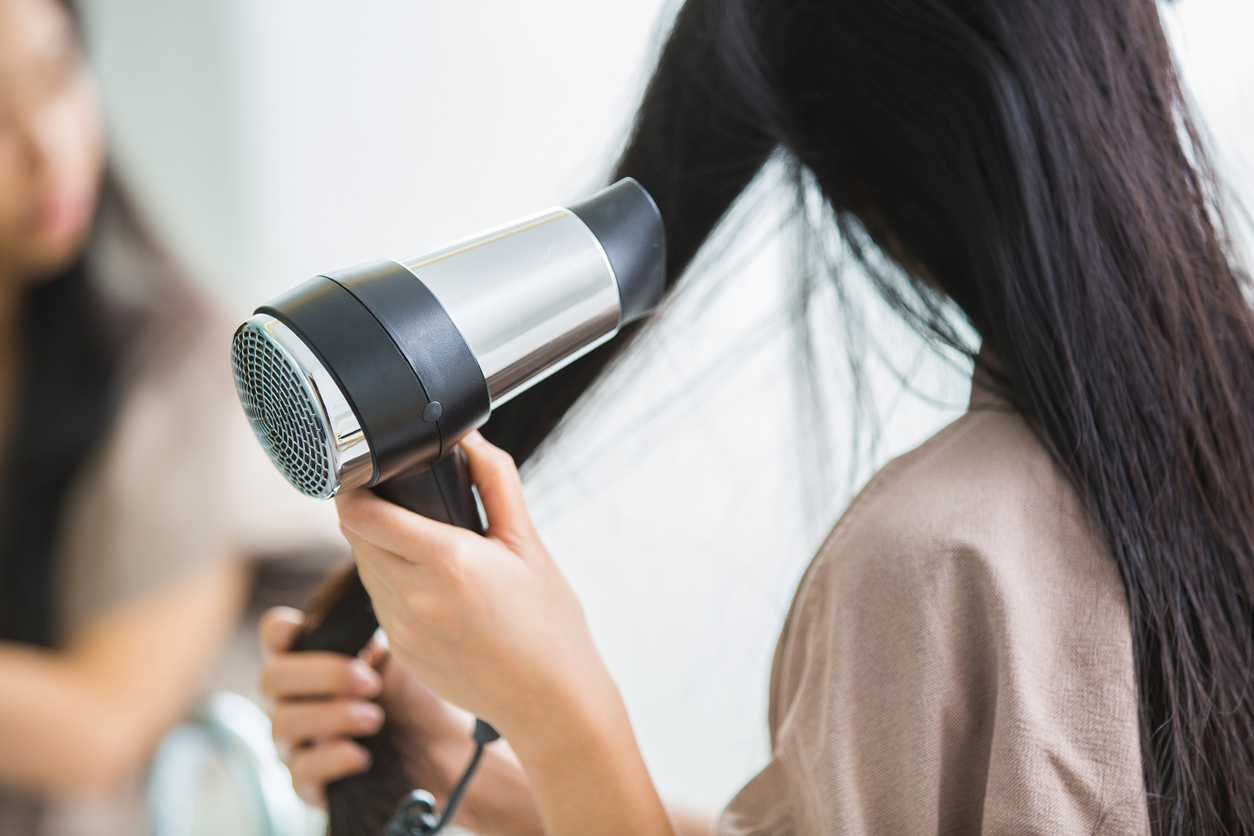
(179, 477)
(957, 659)
(177, 481)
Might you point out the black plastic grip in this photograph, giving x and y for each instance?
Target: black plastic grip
(442, 492)
(425, 334)
(346, 621)
(341, 619)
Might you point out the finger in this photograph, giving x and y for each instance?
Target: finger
(375, 653)
(316, 766)
(300, 722)
(379, 569)
(390, 581)
(500, 487)
(317, 674)
(410, 536)
(278, 628)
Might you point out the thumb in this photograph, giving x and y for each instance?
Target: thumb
(500, 488)
(278, 628)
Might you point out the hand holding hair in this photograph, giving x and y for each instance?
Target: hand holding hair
(489, 624)
(322, 701)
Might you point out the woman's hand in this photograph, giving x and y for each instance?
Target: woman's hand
(490, 624)
(321, 701)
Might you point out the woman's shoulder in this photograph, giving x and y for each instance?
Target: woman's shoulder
(963, 633)
(984, 490)
(978, 523)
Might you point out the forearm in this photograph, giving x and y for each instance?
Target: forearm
(58, 731)
(499, 801)
(587, 776)
(86, 718)
(691, 823)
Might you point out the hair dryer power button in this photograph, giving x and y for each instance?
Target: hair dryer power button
(432, 412)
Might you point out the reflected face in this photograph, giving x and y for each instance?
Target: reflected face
(51, 141)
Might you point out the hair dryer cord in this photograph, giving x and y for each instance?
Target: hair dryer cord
(415, 816)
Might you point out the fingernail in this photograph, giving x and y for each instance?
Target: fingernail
(474, 437)
(365, 679)
(367, 713)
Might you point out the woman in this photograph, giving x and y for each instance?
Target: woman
(128, 498)
(1042, 620)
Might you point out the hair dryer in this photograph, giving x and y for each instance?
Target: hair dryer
(371, 376)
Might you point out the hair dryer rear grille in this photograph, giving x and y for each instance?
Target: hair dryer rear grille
(277, 402)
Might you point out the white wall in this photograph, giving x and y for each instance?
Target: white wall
(274, 139)
(1212, 43)
(169, 71)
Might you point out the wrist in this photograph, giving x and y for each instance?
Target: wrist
(584, 721)
(585, 767)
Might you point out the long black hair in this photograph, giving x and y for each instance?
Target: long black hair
(1034, 160)
(75, 340)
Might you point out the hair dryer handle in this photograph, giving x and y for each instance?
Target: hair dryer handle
(442, 492)
(340, 617)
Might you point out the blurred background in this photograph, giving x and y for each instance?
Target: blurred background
(270, 140)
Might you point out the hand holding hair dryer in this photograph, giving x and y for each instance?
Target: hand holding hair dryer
(370, 376)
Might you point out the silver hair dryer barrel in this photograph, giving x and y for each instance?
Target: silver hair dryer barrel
(358, 376)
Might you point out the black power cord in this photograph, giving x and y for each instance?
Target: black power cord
(415, 816)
